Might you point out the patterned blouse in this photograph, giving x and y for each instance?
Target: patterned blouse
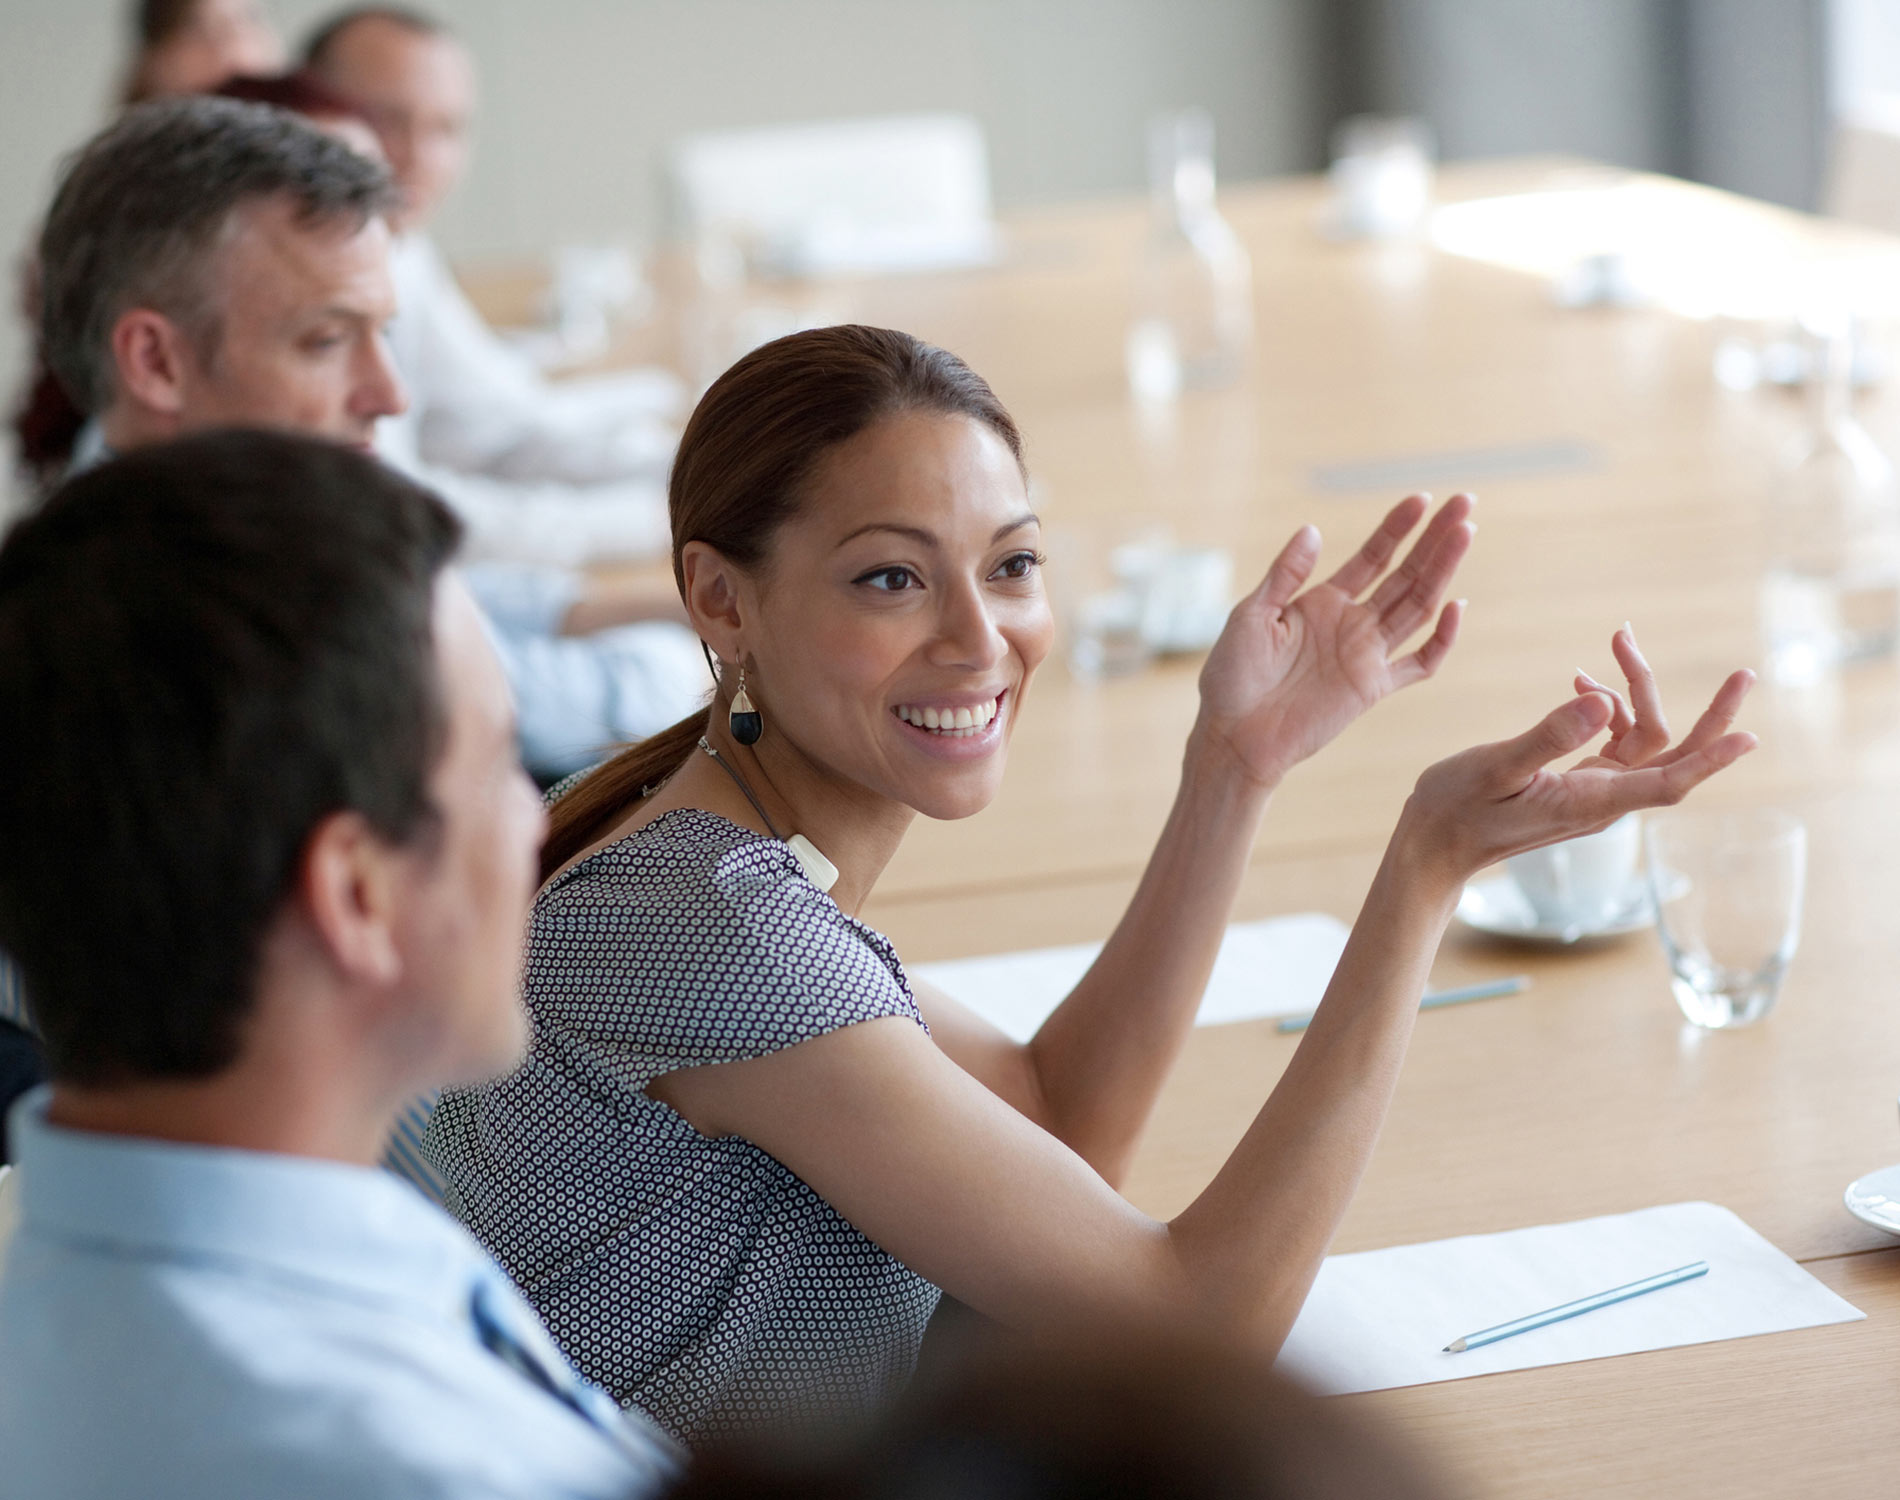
(699, 1280)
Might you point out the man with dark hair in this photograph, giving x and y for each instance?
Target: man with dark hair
(265, 853)
(564, 472)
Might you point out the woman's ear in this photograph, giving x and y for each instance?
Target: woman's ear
(717, 600)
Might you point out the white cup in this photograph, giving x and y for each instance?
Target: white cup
(1583, 882)
(1188, 597)
(1381, 176)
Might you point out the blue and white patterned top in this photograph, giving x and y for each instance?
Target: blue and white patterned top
(699, 1280)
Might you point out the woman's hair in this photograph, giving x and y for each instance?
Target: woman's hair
(46, 428)
(157, 21)
(1131, 1416)
(300, 91)
(744, 461)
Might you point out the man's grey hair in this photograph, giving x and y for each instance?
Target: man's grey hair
(142, 209)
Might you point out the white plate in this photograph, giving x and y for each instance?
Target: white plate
(1496, 905)
(1875, 1199)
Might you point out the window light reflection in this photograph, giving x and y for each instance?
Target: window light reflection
(1695, 251)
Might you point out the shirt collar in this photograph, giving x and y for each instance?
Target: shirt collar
(90, 448)
(358, 1229)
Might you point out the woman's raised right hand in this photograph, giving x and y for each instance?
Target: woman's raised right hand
(1492, 801)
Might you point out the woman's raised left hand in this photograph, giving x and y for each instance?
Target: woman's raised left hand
(1292, 669)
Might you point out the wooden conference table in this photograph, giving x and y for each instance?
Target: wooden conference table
(1616, 481)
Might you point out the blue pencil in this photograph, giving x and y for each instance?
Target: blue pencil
(1489, 990)
(1581, 1305)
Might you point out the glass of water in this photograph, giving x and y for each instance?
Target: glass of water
(1728, 890)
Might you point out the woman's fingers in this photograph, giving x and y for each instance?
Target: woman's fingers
(1425, 594)
(1290, 569)
(1413, 607)
(1414, 588)
(1363, 568)
(1558, 733)
(1716, 720)
(1429, 657)
(1620, 720)
(1649, 735)
(1669, 781)
(1717, 717)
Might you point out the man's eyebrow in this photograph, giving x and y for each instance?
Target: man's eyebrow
(335, 314)
(928, 538)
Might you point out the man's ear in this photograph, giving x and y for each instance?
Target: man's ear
(350, 884)
(151, 361)
(717, 598)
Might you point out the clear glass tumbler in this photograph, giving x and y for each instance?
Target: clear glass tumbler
(1728, 890)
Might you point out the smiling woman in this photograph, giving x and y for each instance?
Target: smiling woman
(746, 1151)
(752, 449)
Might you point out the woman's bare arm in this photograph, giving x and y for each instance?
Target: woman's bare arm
(1293, 667)
(936, 1168)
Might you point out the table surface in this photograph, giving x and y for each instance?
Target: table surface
(1586, 1094)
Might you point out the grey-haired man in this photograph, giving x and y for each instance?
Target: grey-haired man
(208, 263)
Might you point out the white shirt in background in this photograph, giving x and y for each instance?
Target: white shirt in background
(563, 474)
(576, 697)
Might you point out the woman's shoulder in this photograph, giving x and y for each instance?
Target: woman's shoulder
(684, 853)
(694, 882)
(698, 928)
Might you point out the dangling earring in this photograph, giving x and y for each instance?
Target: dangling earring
(747, 722)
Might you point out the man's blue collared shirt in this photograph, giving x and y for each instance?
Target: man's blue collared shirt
(187, 1321)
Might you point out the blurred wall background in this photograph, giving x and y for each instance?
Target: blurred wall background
(581, 96)
(1729, 92)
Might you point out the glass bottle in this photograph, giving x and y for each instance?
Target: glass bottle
(1192, 322)
(1832, 591)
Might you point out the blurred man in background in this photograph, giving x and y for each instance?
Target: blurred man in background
(563, 473)
(209, 263)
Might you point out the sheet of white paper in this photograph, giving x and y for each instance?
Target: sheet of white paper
(1279, 967)
(1382, 1318)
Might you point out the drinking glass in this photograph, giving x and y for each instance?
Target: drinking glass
(1728, 890)
(1192, 321)
(1832, 594)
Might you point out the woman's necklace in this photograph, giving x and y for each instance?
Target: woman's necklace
(820, 871)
